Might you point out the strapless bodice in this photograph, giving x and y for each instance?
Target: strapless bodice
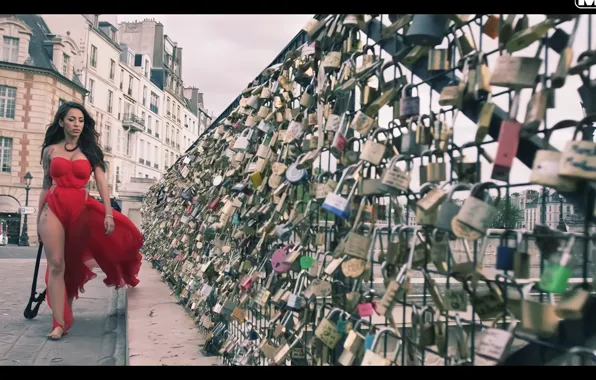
(70, 173)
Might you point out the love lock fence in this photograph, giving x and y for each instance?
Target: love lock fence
(342, 212)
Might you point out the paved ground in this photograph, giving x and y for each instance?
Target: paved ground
(96, 338)
(160, 332)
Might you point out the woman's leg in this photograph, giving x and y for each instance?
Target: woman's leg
(52, 236)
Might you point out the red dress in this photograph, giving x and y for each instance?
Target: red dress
(86, 243)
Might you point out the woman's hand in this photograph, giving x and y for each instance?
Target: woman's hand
(109, 224)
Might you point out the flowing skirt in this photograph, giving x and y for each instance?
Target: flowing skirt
(87, 246)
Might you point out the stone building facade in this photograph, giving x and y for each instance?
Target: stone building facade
(36, 76)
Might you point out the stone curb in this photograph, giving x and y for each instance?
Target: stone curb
(113, 351)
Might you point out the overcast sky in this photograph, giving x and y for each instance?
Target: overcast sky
(221, 54)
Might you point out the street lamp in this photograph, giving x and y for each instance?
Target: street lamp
(24, 238)
(561, 226)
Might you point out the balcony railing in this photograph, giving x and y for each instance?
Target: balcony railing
(133, 122)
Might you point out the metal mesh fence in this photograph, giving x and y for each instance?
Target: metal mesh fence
(368, 201)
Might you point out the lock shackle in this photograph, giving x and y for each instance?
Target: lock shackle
(425, 153)
(430, 117)
(438, 153)
(458, 186)
(385, 331)
(408, 90)
(505, 282)
(584, 61)
(350, 144)
(585, 122)
(339, 311)
(356, 326)
(506, 234)
(482, 189)
(426, 188)
(384, 131)
(579, 350)
(302, 277)
(366, 48)
(563, 124)
(376, 233)
(395, 229)
(444, 235)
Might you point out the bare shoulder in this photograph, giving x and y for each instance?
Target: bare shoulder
(47, 151)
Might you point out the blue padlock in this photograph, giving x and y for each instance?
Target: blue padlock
(334, 202)
(505, 257)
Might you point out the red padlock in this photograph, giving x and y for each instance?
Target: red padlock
(508, 143)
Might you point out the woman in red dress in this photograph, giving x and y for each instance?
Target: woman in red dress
(77, 231)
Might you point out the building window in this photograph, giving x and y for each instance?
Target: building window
(121, 77)
(145, 96)
(93, 61)
(8, 98)
(91, 86)
(149, 124)
(147, 68)
(11, 49)
(153, 106)
(110, 101)
(112, 69)
(60, 102)
(130, 85)
(5, 154)
(108, 137)
(65, 62)
(157, 128)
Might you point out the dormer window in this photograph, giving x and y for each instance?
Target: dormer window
(10, 49)
(65, 63)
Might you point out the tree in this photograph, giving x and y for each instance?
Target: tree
(508, 215)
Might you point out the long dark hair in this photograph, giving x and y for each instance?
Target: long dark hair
(87, 140)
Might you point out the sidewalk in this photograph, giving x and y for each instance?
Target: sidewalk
(160, 332)
(96, 338)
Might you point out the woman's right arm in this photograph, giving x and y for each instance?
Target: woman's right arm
(47, 180)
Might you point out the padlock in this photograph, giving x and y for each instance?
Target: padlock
(327, 331)
(353, 346)
(409, 104)
(505, 254)
(538, 317)
(397, 179)
(536, 108)
(295, 301)
(578, 158)
(522, 258)
(515, 72)
(494, 343)
(558, 269)
(545, 168)
(526, 36)
(437, 170)
(423, 168)
(565, 58)
(373, 151)
(478, 210)
(372, 358)
(334, 202)
(508, 143)
(427, 30)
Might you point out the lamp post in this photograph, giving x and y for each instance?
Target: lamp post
(561, 226)
(24, 238)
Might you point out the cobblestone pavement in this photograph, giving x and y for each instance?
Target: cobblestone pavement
(96, 338)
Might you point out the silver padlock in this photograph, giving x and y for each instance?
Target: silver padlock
(479, 210)
(449, 209)
(295, 300)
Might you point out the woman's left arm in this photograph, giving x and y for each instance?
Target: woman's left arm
(102, 187)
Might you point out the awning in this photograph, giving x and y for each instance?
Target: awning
(8, 204)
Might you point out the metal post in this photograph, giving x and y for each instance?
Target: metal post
(24, 238)
(561, 226)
